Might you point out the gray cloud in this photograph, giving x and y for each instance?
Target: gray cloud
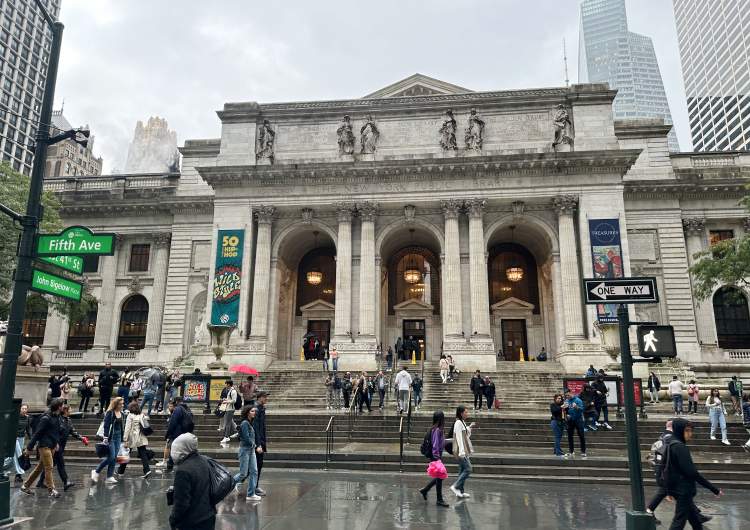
(125, 61)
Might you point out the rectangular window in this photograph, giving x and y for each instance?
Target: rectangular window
(91, 264)
(716, 236)
(139, 255)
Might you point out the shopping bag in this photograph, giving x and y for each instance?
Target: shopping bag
(100, 430)
(496, 403)
(436, 469)
(123, 457)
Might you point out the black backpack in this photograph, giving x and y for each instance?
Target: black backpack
(660, 460)
(238, 401)
(426, 447)
(188, 425)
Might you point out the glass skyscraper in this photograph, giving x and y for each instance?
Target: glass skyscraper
(626, 60)
(714, 39)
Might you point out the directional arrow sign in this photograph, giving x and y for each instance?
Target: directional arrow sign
(620, 290)
(75, 241)
(69, 263)
(44, 282)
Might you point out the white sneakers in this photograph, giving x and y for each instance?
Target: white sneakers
(94, 476)
(224, 440)
(161, 463)
(111, 480)
(458, 494)
(713, 437)
(253, 498)
(726, 442)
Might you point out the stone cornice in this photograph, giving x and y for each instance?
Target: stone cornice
(645, 128)
(201, 148)
(688, 188)
(172, 206)
(541, 164)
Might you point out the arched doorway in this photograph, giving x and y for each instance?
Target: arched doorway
(732, 318)
(35, 320)
(133, 323)
(81, 332)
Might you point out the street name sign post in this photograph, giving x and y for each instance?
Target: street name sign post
(72, 264)
(45, 282)
(656, 341)
(624, 291)
(75, 241)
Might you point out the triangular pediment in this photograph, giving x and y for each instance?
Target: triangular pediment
(512, 303)
(318, 305)
(412, 304)
(417, 85)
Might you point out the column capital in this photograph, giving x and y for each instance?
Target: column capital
(307, 215)
(162, 239)
(367, 210)
(344, 211)
(694, 225)
(565, 204)
(451, 208)
(265, 214)
(475, 208)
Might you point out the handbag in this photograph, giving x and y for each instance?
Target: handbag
(102, 449)
(496, 403)
(146, 428)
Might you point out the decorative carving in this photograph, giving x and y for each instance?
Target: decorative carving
(563, 128)
(409, 212)
(451, 208)
(369, 135)
(135, 285)
(265, 214)
(694, 225)
(746, 224)
(162, 240)
(307, 215)
(475, 207)
(264, 144)
(367, 210)
(343, 212)
(345, 137)
(565, 204)
(448, 132)
(119, 241)
(474, 132)
(518, 208)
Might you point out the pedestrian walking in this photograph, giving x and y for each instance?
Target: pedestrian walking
(746, 419)
(717, 414)
(247, 454)
(107, 379)
(135, 438)
(675, 391)
(260, 437)
(462, 450)
(362, 388)
(382, 386)
(654, 385)
(443, 366)
(192, 508)
(735, 388)
(58, 458)
(114, 427)
(248, 389)
(337, 401)
(403, 383)
(325, 354)
(180, 422)
(489, 392)
(334, 355)
(416, 389)
(600, 402)
(346, 388)
(389, 358)
(476, 388)
(434, 452)
(693, 391)
(86, 391)
(681, 477)
(573, 407)
(46, 436)
(149, 392)
(227, 407)
(23, 430)
(328, 385)
(557, 423)
(451, 367)
(161, 384)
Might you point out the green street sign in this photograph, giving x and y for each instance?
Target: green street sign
(44, 282)
(75, 241)
(69, 263)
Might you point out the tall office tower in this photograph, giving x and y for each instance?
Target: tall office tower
(714, 39)
(626, 60)
(68, 158)
(25, 42)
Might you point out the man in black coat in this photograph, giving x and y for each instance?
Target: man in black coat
(476, 387)
(259, 425)
(180, 422)
(192, 508)
(107, 379)
(47, 437)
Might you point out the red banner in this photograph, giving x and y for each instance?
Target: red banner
(637, 390)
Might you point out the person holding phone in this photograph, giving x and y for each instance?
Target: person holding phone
(462, 450)
(573, 408)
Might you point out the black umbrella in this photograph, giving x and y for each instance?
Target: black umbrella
(310, 334)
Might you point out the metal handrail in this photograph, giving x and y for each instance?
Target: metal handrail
(353, 413)
(401, 446)
(408, 418)
(329, 441)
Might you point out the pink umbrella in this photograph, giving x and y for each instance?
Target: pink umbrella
(244, 369)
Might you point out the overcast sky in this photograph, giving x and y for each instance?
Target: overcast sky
(123, 61)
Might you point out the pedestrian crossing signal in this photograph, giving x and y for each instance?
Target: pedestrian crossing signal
(656, 341)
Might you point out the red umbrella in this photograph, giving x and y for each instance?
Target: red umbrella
(244, 369)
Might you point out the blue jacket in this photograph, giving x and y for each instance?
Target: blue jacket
(575, 414)
(175, 424)
(247, 435)
(746, 413)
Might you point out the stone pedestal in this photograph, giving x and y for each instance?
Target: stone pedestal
(31, 386)
(477, 354)
(577, 355)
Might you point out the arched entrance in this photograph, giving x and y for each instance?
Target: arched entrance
(732, 318)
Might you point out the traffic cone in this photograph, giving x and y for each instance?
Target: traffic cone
(302, 354)
(520, 358)
(413, 357)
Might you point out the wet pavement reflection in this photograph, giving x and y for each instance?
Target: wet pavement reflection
(360, 500)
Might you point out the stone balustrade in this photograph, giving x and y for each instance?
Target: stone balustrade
(112, 183)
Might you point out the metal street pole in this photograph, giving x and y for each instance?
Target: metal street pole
(22, 280)
(637, 519)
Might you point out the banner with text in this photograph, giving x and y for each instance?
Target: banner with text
(606, 255)
(225, 304)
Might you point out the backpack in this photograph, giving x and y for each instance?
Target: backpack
(238, 401)
(221, 483)
(347, 385)
(187, 425)
(426, 447)
(659, 459)
(337, 383)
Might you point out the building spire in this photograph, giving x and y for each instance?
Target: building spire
(565, 61)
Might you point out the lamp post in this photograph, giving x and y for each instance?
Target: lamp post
(22, 280)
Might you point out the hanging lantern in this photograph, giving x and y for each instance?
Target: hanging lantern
(412, 273)
(314, 277)
(514, 274)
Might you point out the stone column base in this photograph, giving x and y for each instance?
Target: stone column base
(477, 354)
(355, 356)
(577, 355)
(31, 386)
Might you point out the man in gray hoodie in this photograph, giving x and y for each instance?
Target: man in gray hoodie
(192, 508)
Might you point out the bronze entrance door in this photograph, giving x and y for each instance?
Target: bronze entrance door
(416, 331)
(514, 338)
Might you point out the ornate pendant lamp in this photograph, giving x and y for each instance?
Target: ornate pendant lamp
(315, 275)
(412, 273)
(514, 273)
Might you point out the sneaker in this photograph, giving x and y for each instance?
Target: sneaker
(111, 480)
(161, 463)
(442, 503)
(67, 486)
(583, 455)
(224, 440)
(261, 492)
(235, 435)
(26, 490)
(54, 494)
(704, 518)
(608, 426)
(465, 495)
(147, 474)
(455, 491)
(569, 455)
(713, 437)
(726, 442)
(94, 476)
(253, 498)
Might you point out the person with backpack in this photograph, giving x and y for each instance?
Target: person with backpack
(23, 430)
(346, 388)
(746, 419)
(192, 508)
(432, 449)
(693, 391)
(107, 379)
(681, 476)
(227, 406)
(180, 422)
(573, 408)
(462, 450)
(135, 437)
(416, 388)
(657, 459)
(735, 393)
(654, 385)
(47, 437)
(475, 385)
(717, 414)
(247, 454)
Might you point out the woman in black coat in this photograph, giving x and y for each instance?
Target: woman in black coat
(489, 392)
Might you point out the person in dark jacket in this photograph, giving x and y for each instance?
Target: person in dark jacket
(438, 444)
(654, 385)
(600, 402)
(573, 407)
(746, 419)
(681, 477)
(23, 431)
(589, 409)
(557, 422)
(489, 392)
(192, 509)
(476, 388)
(107, 379)
(260, 436)
(46, 437)
(66, 430)
(180, 422)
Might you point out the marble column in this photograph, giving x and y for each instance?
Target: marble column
(55, 331)
(695, 241)
(367, 212)
(106, 309)
(262, 278)
(480, 305)
(343, 311)
(273, 307)
(452, 315)
(557, 296)
(570, 271)
(159, 270)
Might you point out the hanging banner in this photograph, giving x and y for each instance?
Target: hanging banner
(225, 304)
(606, 255)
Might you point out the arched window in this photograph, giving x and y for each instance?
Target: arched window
(133, 322)
(414, 274)
(732, 318)
(34, 321)
(81, 333)
(320, 265)
(507, 256)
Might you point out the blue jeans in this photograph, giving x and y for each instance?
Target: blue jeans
(417, 397)
(677, 402)
(325, 365)
(335, 364)
(248, 468)
(148, 396)
(124, 392)
(718, 420)
(464, 470)
(557, 429)
(110, 460)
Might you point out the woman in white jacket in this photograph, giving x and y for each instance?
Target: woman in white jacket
(462, 450)
(717, 414)
(133, 437)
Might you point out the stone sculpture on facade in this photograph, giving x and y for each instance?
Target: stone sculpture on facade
(369, 135)
(265, 143)
(346, 137)
(474, 132)
(563, 128)
(448, 132)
